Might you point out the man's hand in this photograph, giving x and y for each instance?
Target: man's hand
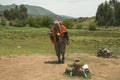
(58, 34)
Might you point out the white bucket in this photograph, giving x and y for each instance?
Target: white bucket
(85, 66)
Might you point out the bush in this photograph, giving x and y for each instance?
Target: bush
(79, 26)
(92, 26)
(68, 23)
(32, 21)
(46, 21)
(3, 22)
(18, 23)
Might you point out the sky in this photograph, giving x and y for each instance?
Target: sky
(73, 8)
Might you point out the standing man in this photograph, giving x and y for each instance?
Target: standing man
(59, 37)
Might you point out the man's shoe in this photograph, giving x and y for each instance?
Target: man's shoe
(62, 61)
(59, 61)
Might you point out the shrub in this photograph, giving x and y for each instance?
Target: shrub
(31, 21)
(92, 26)
(18, 23)
(3, 22)
(46, 21)
(79, 26)
(68, 23)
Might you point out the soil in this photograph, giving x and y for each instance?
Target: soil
(45, 67)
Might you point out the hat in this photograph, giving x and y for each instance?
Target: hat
(58, 21)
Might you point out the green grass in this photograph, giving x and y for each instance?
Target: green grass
(28, 40)
(90, 41)
(27, 46)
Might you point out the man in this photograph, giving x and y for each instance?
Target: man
(59, 37)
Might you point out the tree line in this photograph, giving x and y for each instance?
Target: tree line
(19, 17)
(108, 13)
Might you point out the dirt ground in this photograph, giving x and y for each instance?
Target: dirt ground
(44, 67)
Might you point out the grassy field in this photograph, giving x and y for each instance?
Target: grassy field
(28, 40)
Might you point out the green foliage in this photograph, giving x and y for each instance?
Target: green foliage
(3, 22)
(84, 23)
(117, 14)
(11, 23)
(22, 12)
(32, 22)
(104, 14)
(92, 26)
(79, 26)
(16, 16)
(108, 13)
(68, 23)
(16, 13)
(19, 23)
(36, 11)
(46, 21)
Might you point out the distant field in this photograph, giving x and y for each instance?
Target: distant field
(28, 40)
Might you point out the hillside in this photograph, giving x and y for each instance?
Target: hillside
(36, 11)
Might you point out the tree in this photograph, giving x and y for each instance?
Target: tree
(108, 13)
(68, 23)
(113, 2)
(79, 26)
(6, 14)
(16, 13)
(117, 14)
(46, 21)
(104, 15)
(92, 26)
(31, 21)
(3, 21)
(99, 15)
(22, 12)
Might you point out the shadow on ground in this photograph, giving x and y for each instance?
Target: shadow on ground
(51, 62)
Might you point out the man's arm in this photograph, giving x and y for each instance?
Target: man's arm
(66, 36)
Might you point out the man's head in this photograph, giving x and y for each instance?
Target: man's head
(57, 22)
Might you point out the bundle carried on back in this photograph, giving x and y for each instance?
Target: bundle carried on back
(107, 53)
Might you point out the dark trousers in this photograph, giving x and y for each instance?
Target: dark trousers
(60, 47)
